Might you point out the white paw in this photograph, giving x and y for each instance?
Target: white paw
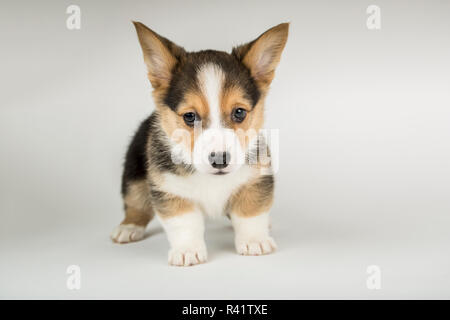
(188, 256)
(255, 247)
(124, 233)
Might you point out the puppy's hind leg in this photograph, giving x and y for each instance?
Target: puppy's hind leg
(138, 213)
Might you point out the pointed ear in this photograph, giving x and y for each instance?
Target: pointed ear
(160, 55)
(262, 55)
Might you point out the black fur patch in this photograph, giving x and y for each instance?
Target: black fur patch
(184, 75)
(136, 157)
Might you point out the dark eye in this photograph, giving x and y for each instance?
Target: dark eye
(238, 114)
(189, 118)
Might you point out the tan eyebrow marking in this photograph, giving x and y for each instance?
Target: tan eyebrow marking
(194, 101)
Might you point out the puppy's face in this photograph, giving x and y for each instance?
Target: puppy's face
(211, 103)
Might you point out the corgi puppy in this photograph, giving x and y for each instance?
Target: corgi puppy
(201, 152)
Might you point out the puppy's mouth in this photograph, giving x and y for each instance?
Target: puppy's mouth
(220, 173)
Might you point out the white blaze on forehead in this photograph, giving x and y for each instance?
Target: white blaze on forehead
(211, 78)
(215, 138)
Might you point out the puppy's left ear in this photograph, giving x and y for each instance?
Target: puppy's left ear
(261, 56)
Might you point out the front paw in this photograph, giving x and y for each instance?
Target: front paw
(125, 233)
(255, 247)
(188, 256)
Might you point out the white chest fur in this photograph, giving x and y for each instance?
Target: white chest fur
(209, 192)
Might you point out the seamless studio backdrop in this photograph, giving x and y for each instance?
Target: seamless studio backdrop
(364, 157)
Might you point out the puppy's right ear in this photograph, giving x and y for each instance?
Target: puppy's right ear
(160, 55)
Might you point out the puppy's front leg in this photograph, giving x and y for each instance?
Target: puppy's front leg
(252, 234)
(250, 217)
(185, 232)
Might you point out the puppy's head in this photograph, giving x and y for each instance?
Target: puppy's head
(211, 103)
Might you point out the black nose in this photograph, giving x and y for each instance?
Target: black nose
(219, 160)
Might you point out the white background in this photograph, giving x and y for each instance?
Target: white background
(364, 150)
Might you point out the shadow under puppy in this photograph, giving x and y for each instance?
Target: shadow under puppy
(199, 154)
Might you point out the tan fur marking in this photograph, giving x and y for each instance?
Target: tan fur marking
(172, 124)
(194, 102)
(138, 207)
(173, 206)
(170, 121)
(252, 199)
(136, 217)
